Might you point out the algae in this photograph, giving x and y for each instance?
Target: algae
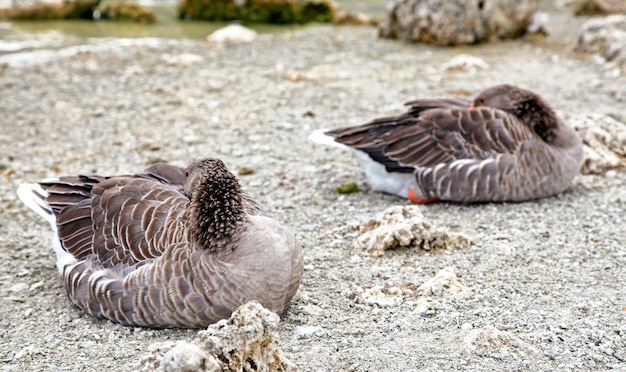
(123, 11)
(262, 11)
(348, 188)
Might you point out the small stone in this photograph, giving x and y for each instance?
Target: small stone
(19, 287)
(182, 60)
(243, 171)
(189, 357)
(465, 62)
(306, 331)
(36, 286)
(21, 354)
(23, 272)
(28, 312)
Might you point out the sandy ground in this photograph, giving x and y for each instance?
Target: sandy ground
(541, 288)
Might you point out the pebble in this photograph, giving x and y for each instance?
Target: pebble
(306, 331)
(465, 62)
(38, 285)
(23, 272)
(23, 353)
(19, 287)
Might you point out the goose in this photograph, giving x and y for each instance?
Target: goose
(170, 247)
(507, 144)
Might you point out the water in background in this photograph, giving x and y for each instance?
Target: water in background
(167, 25)
(26, 42)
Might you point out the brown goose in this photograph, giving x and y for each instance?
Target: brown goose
(170, 247)
(506, 145)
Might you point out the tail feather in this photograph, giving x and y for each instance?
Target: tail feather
(320, 136)
(34, 197)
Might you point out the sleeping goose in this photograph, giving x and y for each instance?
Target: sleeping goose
(170, 247)
(506, 145)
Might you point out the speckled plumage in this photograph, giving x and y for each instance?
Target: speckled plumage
(170, 247)
(508, 146)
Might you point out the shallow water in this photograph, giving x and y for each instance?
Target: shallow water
(32, 35)
(167, 26)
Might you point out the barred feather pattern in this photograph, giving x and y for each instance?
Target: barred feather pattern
(509, 146)
(139, 261)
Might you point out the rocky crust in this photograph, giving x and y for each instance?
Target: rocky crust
(457, 22)
(248, 341)
(404, 226)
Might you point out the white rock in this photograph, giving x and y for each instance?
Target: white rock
(306, 331)
(605, 36)
(538, 22)
(247, 341)
(233, 33)
(182, 60)
(379, 296)
(455, 22)
(491, 342)
(187, 357)
(439, 289)
(405, 226)
(604, 140)
(19, 287)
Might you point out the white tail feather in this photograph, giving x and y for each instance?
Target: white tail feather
(34, 197)
(318, 136)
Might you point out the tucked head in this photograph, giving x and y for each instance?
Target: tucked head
(527, 106)
(216, 202)
(505, 97)
(207, 173)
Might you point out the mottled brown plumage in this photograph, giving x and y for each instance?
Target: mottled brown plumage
(170, 247)
(506, 145)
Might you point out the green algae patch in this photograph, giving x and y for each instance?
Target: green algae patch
(208, 10)
(122, 11)
(348, 188)
(262, 11)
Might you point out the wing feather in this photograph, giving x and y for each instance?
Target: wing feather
(433, 132)
(119, 219)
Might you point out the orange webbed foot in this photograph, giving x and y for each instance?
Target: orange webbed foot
(414, 199)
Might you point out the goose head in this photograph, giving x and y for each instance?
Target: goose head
(215, 210)
(527, 106)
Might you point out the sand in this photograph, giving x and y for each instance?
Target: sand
(541, 287)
